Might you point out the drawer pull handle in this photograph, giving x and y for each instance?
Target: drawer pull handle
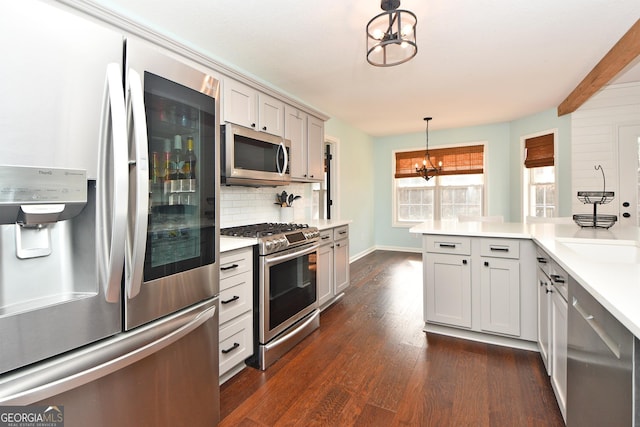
(447, 245)
(231, 267)
(235, 298)
(342, 232)
(233, 347)
(557, 279)
(499, 249)
(542, 260)
(325, 237)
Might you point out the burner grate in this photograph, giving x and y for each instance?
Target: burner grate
(261, 230)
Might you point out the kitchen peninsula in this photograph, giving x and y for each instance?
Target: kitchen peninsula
(481, 283)
(587, 254)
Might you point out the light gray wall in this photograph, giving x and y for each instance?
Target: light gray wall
(355, 176)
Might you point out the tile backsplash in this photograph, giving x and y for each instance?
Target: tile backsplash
(247, 205)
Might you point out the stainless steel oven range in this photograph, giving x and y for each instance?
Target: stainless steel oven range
(285, 290)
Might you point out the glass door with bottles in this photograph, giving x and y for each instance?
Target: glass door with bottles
(181, 135)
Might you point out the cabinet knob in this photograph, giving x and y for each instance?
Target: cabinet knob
(486, 263)
(464, 261)
(264, 128)
(253, 125)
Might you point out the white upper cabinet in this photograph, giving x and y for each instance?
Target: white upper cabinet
(239, 104)
(270, 115)
(295, 130)
(315, 144)
(306, 134)
(245, 106)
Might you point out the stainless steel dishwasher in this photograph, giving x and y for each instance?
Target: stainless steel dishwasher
(599, 365)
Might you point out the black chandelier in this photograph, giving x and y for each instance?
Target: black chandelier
(391, 36)
(428, 169)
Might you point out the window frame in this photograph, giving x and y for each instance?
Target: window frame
(525, 175)
(436, 197)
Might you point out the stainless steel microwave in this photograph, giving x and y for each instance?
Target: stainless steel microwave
(253, 158)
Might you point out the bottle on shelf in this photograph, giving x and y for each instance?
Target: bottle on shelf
(177, 159)
(154, 171)
(189, 166)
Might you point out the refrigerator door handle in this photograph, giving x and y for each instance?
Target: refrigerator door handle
(57, 385)
(137, 232)
(112, 186)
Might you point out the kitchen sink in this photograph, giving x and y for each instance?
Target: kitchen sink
(604, 251)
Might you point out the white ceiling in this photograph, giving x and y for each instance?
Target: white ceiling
(478, 61)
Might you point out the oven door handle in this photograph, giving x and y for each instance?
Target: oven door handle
(291, 255)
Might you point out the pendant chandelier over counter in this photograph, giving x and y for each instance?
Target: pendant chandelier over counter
(428, 169)
(391, 36)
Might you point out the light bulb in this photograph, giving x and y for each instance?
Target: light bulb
(377, 34)
(406, 30)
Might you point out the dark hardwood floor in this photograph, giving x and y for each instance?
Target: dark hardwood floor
(370, 364)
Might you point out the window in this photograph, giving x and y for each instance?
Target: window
(539, 177)
(457, 190)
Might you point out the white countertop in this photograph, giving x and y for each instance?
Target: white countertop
(232, 243)
(615, 283)
(324, 224)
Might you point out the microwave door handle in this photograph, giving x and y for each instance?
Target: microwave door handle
(286, 159)
(137, 231)
(111, 206)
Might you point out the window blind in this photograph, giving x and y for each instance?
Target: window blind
(455, 161)
(539, 151)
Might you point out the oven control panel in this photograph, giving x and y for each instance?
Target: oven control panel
(280, 242)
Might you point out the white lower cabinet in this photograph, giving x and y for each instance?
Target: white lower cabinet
(500, 286)
(483, 285)
(333, 265)
(325, 269)
(559, 309)
(552, 324)
(448, 290)
(236, 311)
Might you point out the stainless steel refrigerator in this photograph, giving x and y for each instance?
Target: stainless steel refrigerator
(109, 224)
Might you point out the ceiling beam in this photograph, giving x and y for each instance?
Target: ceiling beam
(620, 55)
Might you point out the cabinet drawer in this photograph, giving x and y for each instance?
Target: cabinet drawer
(448, 244)
(326, 236)
(500, 248)
(235, 342)
(236, 296)
(235, 262)
(341, 232)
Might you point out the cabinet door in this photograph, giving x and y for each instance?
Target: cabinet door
(325, 274)
(559, 349)
(315, 144)
(295, 130)
(341, 263)
(544, 315)
(447, 297)
(239, 104)
(270, 115)
(500, 295)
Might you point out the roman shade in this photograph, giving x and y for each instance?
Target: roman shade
(455, 161)
(539, 151)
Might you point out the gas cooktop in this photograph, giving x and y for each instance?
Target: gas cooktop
(275, 237)
(264, 229)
